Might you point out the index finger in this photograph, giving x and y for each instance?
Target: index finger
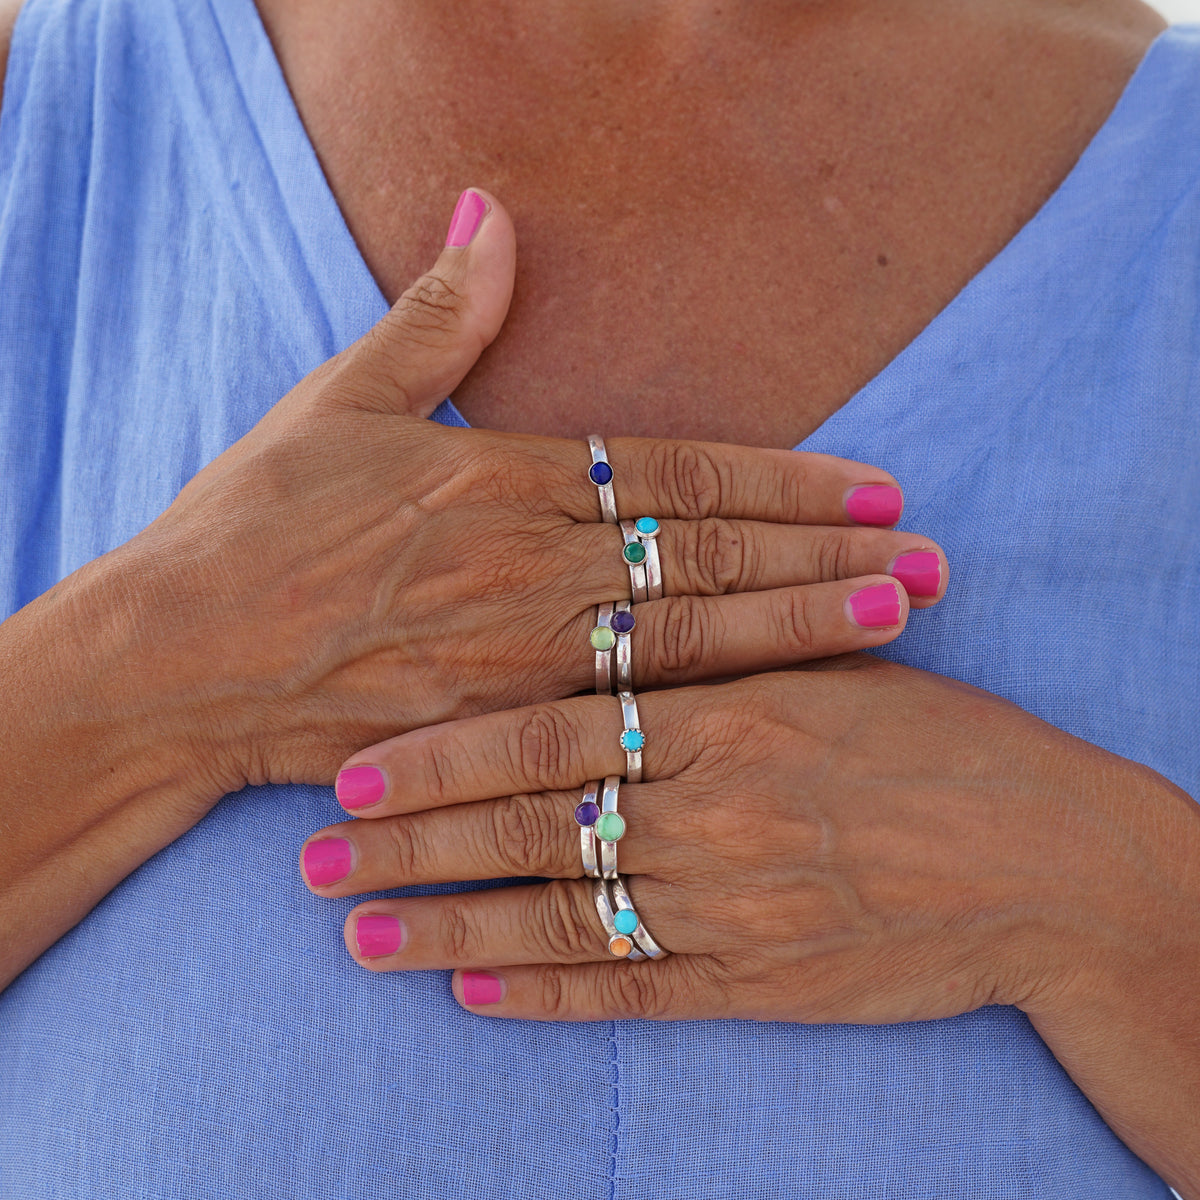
(690, 480)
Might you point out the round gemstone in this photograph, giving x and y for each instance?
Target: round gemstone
(626, 920)
(647, 527)
(620, 945)
(587, 812)
(632, 739)
(602, 638)
(635, 553)
(610, 827)
(623, 622)
(600, 473)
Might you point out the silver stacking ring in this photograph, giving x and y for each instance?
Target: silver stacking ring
(620, 945)
(633, 740)
(622, 622)
(610, 827)
(635, 555)
(648, 529)
(587, 813)
(601, 474)
(625, 924)
(603, 639)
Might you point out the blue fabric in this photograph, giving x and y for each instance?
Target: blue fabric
(171, 262)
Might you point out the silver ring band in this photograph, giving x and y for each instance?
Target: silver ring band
(637, 570)
(605, 908)
(604, 657)
(587, 829)
(632, 739)
(641, 934)
(624, 656)
(614, 829)
(654, 585)
(608, 498)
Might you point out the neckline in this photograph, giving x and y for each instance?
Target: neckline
(352, 300)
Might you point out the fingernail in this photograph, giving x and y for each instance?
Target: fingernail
(920, 572)
(378, 933)
(874, 607)
(468, 216)
(356, 787)
(875, 504)
(327, 861)
(482, 987)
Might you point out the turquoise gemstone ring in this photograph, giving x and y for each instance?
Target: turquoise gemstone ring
(633, 740)
(623, 904)
(648, 529)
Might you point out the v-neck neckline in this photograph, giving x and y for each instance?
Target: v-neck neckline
(887, 404)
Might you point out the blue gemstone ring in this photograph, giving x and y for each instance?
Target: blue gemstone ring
(601, 474)
(633, 740)
(623, 905)
(647, 530)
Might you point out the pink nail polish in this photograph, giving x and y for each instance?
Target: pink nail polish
(874, 504)
(378, 933)
(326, 861)
(482, 987)
(356, 787)
(468, 216)
(920, 572)
(874, 607)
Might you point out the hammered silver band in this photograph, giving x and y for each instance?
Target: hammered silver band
(641, 935)
(654, 584)
(637, 571)
(604, 658)
(608, 804)
(624, 654)
(604, 907)
(587, 832)
(608, 498)
(631, 744)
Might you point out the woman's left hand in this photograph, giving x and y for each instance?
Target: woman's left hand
(867, 844)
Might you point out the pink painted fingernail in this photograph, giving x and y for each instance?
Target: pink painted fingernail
(874, 607)
(378, 933)
(920, 572)
(875, 504)
(482, 987)
(468, 216)
(357, 787)
(327, 861)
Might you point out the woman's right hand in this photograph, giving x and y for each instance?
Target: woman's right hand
(349, 570)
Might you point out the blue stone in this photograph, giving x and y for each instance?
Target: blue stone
(600, 473)
(622, 622)
(646, 526)
(587, 813)
(633, 739)
(626, 920)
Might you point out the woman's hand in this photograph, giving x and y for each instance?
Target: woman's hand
(349, 570)
(870, 844)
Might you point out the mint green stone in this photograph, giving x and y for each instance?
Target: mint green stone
(610, 827)
(635, 553)
(602, 638)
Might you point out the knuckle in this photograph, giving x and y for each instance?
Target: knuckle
(832, 553)
(547, 748)
(429, 308)
(686, 635)
(522, 838)
(458, 933)
(635, 990)
(796, 620)
(566, 932)
(439, 770)
(719, 554)
(688, 478)
(407, 848)
(551, 987)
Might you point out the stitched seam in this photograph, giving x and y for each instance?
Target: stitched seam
(614, 1110)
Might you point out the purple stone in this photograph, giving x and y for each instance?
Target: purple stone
(587, 813)
(622, 622)
(600, 473)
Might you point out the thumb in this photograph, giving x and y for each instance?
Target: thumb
(432, 336)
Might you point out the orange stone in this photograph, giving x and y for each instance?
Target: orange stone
(620, 946)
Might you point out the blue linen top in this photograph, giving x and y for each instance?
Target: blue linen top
(172, 261)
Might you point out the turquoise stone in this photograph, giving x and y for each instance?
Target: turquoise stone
(646, 526)
(610, 827)
(625, 920)
(632, 739)
(635, 553)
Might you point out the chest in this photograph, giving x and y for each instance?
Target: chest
(724, 251)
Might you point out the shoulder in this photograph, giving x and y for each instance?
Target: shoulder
(8, 18)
